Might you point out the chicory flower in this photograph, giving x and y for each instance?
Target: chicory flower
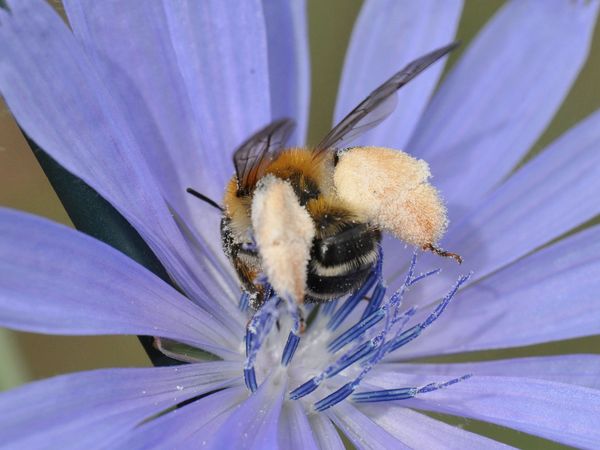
(143, 99)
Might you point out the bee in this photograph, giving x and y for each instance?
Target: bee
(311, 219)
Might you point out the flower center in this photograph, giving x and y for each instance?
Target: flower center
(343, 341)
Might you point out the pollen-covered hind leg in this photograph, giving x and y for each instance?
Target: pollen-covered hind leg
(441, 252)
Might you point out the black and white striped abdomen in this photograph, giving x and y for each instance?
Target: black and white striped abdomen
(340, 263)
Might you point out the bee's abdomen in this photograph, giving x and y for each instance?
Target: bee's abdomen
(340, 263)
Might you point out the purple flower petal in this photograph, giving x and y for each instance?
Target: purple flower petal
(502, 94)
(581, 370)
(57, 96)
(325, 433)
(419, 431)
(184, 427)
(254, 424)
(91, 409)
(564, 413)
(130, 43)
(548, 296)
(59, 281)
(221, 50)
(201, 99)
(361, 430)
(289, 64)
(295, 432)
(388, 35)
(549, 196)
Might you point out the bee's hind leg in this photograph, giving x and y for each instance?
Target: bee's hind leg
(441, 252)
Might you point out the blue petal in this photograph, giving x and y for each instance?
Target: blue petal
(419, 431)
(205, 62)
(56, 280)
(254, 424)
(91, 409)
(548, 296)
(130, 43)
(289, 64)
(361, 430)
(325, 433)
(184, 427)
(550, 195)
(502, 94)
(580, 369)
(295, 432)
(561, 412)
(56, 94)
(388, 35)
(221, 49)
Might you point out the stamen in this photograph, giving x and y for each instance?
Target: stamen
(341, 314)
(352, 301)
(404, 338)
(334, 398)
(380, 331)
(329, 307)
(351, 357)
(294, 337)
(375, 301)
(342, 363)
(356, 331)
(250, 379)
(244, 300)
(387, 395)
(378, 314)
(256, 332)
(424, 275)
(306, 388)
(290, 348)
(381, 347)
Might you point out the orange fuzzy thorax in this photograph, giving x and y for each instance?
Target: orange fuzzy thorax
(292, 160)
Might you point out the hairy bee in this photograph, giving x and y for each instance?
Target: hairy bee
(311, 219)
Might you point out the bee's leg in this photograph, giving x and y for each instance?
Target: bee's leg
(301, 320)
(441, 252)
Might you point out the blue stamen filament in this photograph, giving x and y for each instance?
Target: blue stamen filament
(290, 348)
(355, 331)
(256, 332)
(387, 395)
(375, 301)
(342, 313)
(329, 307)
(380, 331)
(244, 300)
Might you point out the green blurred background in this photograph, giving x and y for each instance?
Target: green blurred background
(25, 357)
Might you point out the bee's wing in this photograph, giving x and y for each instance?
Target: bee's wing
(379, 104)
(254, 154)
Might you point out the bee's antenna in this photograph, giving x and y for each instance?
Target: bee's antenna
(204, 198)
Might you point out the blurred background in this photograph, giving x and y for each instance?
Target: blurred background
(25, 357)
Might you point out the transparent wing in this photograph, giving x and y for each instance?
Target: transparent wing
(379, 104)
(251, 158)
